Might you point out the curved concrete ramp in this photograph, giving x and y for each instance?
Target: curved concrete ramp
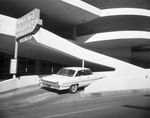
(52, 40)
(125, 77)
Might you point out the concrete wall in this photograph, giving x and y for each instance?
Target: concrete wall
(121, 79)
(17, 83)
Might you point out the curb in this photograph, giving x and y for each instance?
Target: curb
(113, 93)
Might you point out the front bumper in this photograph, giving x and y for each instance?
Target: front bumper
(49, 84)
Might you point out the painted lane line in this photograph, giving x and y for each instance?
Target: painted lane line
(75, 112)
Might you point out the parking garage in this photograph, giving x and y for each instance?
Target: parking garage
(106, 40)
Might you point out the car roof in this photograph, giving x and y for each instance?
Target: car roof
(76, 68)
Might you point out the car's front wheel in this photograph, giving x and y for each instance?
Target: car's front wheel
(73, 88)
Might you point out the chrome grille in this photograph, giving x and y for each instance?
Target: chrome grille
(49, 83)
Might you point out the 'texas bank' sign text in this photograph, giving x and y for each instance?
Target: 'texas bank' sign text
(26, 24)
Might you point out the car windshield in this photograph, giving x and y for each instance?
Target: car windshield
(66, 72)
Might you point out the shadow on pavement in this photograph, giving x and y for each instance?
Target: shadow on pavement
(137, 107)
(55, 91)
(60, 92)
(147, 95)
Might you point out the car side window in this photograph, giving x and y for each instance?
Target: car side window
(80, 73)
(88, 72)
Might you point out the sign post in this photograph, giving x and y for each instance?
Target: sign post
(13, 61)
(26, 26)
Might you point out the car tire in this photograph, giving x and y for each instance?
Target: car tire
(73, 88)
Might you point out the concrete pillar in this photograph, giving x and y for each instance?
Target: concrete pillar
(38, 67)
(82, 63)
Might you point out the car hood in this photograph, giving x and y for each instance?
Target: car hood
(55, 78)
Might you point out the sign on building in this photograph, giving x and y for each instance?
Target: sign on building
(13, 66)
(25, 39)
(27, 25)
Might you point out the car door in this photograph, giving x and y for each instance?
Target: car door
(82, 78)
(90, 76)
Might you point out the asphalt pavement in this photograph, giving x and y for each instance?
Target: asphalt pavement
(37, 102)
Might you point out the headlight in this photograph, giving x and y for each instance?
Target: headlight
(57, 84)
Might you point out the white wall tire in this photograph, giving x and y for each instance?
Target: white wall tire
(73, 88)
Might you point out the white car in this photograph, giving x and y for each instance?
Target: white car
(70, 78)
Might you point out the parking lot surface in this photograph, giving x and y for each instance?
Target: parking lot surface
(37, 102)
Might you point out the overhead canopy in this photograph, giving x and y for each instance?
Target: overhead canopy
(59, 16)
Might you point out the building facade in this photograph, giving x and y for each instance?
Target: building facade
(116, 28)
